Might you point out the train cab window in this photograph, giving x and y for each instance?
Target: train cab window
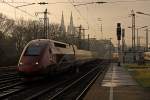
(33, 50)
(60, 45)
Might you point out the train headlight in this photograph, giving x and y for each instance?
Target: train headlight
(37, 63)
(20, 63)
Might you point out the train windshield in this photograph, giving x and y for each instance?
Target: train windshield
(33, 50)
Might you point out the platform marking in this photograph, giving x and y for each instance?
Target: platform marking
(117, 76)
(111, 87)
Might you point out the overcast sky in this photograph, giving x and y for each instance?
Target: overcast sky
(110, 13)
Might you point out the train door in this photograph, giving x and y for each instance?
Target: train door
(52, 57)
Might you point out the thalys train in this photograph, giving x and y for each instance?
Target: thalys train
(49, 57)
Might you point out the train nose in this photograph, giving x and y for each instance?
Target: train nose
(28, 68)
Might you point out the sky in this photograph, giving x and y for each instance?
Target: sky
(111, 13)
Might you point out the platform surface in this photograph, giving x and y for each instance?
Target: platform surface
(117, 85)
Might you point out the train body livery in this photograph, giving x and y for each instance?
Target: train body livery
(44, 56)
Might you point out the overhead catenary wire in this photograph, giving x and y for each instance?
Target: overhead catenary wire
(109, 2)
(98, 2)
(79, 13)
(129, 1)
(13, 2)
(18, 8)
(89, 24)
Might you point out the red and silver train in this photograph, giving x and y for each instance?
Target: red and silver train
(44, 56)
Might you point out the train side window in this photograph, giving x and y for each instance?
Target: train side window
(59, 45)
(50, 51)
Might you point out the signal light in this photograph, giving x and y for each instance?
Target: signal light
(20, 63)
(118, 31)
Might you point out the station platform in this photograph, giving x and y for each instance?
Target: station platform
(116, 85)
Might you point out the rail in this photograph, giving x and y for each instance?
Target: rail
(54, 89)
(99, 74)
(83, 78)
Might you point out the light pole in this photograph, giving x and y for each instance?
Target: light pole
(146, 29)
(133, 29)
(100, 20)
(110, 54)
(138, 36)
(123, 45)
(147, 38)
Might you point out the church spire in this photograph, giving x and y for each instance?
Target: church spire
(71, 20)
(71, 28)
(62, 19)
(62, 27)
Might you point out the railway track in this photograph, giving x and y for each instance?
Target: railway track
(7, 74)
(2, 80)
(6, 79)
(78, 88)
(11, 89)
(33, 90)
(69, 88)
(56, 89)
(8, 82)
(8, 69)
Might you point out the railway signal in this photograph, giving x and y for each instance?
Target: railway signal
(118, 31)
(119, 38)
